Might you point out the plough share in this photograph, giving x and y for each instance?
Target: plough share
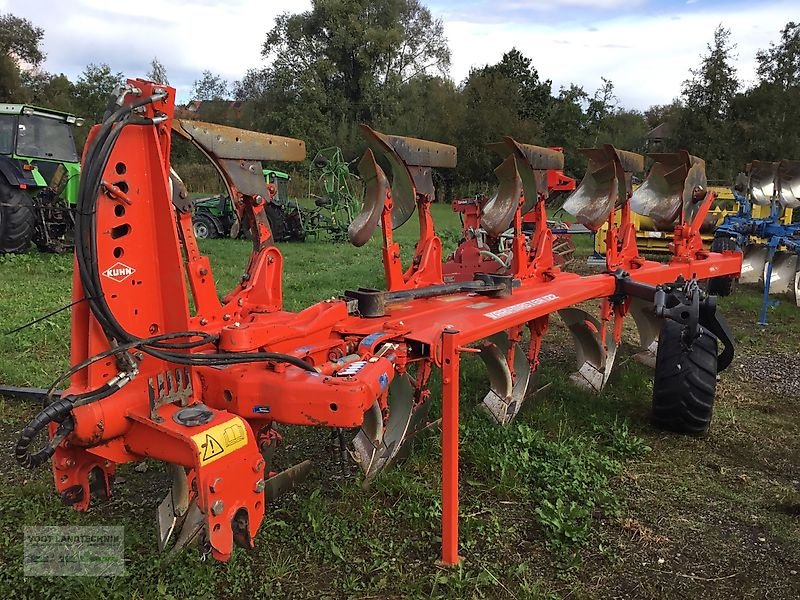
(203, 390)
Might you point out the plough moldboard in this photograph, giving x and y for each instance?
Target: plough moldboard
(203, 391)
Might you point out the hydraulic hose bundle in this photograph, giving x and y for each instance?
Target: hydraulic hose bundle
(161, 346)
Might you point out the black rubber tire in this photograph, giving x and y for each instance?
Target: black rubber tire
(722, 286)
(685, 381)
(17, 220)
(204, 227)
(277, 223)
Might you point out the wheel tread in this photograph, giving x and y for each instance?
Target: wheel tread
(685, 381)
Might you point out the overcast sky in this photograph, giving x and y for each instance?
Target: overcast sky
(646, 47)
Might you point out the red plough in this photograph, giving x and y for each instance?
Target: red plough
(203, 390)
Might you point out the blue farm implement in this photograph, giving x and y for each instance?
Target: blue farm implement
(770, 245)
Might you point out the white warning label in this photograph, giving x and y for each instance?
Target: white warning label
(515, 308)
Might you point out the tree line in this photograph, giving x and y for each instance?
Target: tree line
(386, 63)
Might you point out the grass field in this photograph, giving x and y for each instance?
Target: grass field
(580, 498)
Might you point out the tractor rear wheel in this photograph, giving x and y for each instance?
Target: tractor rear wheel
(722, 286)
(685, 381)
(204, 227)
(16, 219)
(277, 223)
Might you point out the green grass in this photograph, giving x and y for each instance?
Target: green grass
(581, 497)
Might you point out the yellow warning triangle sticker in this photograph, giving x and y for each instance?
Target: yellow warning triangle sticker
(212, 448)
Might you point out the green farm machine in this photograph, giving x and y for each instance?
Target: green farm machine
(332, 187)
(338, 202)
(215, 216)
(39, 173)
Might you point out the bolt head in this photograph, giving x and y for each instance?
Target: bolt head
(217, 507)
(204, 321)
(260, 485)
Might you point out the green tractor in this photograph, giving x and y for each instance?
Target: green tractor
(39, 176)
(215, 216)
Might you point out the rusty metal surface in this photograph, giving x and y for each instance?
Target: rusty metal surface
(221, 141)
(533, 162)
(374, 457)
(284, 481)
(506, 392)
(404, 183)
(762, 176)
(599, 190)
(669, 189)
(595, 355)
(246, 175)
(789, 183)
(694, 188)
(632, 162)
(538, 157)
(499, 211)
(375, 183)
(420, 153)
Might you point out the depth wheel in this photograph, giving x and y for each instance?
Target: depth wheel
(723, 285)
(16, 220)
(685, 381)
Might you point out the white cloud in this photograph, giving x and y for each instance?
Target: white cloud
(647, 56)
(645, 52)
(187, 36)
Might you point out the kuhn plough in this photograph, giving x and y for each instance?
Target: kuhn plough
(204, 390)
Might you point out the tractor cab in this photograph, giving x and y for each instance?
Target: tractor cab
(36, 134)
(39, 177)
(281, 182)
(40, 143)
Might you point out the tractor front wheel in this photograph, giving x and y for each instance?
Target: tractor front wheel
(16, 220)
(685, 381)
(723, 285)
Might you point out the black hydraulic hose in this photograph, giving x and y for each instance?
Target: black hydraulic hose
(103, 146)
(58, 412)
(97, 157)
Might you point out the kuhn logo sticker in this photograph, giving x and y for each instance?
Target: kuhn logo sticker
(119, 272)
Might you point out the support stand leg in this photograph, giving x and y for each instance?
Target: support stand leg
(767, 280)
(450, 375)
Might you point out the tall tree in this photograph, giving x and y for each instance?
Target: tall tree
(532, 94)
(780, 63)
(354, 55)
(157, 72)
(19, 47)
(210, 87)
(565, 125)
(767, 117)
(92, 90)
(20, 40)
(714, 83)
(47, 89)
(704, 124)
